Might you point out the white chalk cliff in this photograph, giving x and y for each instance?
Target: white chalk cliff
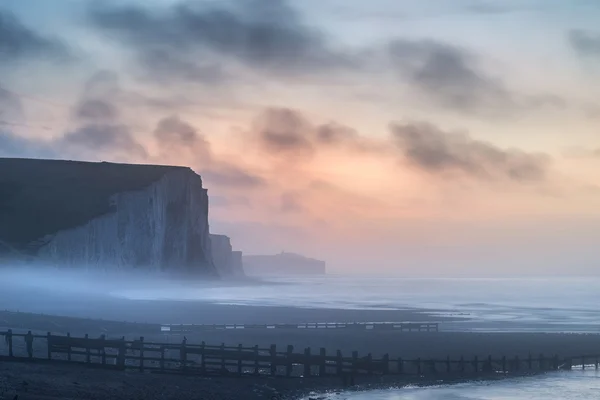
(227, 261)
(161, 227)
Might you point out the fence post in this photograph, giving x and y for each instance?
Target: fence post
(386, 364)
(555, 362)
(103, 338)
(322, 361)
(339, 363)
(239, 363)
(583, 362)
(488, 366)
(476, 364)
(369, 364)
(288, 360)
(141, 354)
(48, 347)
(69, 347)
(223, 366)
(462, 364)
(541, 362)
(503, 364)
(203, 358)
(88, 358)
(307, 360)
(273, 354)
(354, 362)
(9, 339)
(596, 363)
(418, 366)
(122, 353)
(256, 366)
(517, 363)
(400, 365)
(162, 358)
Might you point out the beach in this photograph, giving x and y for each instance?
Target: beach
(461, 333)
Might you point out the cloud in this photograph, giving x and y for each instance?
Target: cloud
(428, 148)
(18, 41)
(284, 131)
(290, 202)
(267, 36)
(225, 174)
(585, 43)
(448, 75)
(94, 109)
(288, 133)
(174, 130)
(105, 137)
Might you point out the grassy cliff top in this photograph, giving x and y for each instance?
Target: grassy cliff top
(39, 197)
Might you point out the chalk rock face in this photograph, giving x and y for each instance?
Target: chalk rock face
(112, 216)
(227, 261)
(237, 265)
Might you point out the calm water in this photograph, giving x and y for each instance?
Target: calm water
(560, 385)
(563, 304)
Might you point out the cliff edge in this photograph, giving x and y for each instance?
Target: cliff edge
(105, 215)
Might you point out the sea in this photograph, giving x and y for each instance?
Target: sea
(571, 385)
(557, 304)
(518, 304)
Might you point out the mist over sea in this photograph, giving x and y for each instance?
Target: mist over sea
(559, 304)
(486, 304)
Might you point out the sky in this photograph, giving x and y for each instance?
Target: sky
(415, 137)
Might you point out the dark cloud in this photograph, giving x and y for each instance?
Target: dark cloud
(334, 133)
(264, 35)
(290, 202)
(95, 109)
(284, 131)
(585, 43)
(18, 41)
(224, 174)
(449, 76)
(168, 65)
(173, 129)
(105, 137)
(428, 148)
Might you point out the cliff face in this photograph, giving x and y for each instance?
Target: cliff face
(237, 265)
(282, 264)
(227, 261)
(106, 215)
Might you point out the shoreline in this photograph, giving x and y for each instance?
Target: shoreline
(432, 345)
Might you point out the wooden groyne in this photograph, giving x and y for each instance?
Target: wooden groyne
(396, 326)
(203, 359)
(44, 322)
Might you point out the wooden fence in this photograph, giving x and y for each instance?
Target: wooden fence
(203, 359)
(396, 326)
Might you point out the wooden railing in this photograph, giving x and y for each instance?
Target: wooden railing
(203, 359)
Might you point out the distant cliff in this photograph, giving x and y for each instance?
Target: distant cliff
(105, 215)
(282, 264)
(227, 261)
